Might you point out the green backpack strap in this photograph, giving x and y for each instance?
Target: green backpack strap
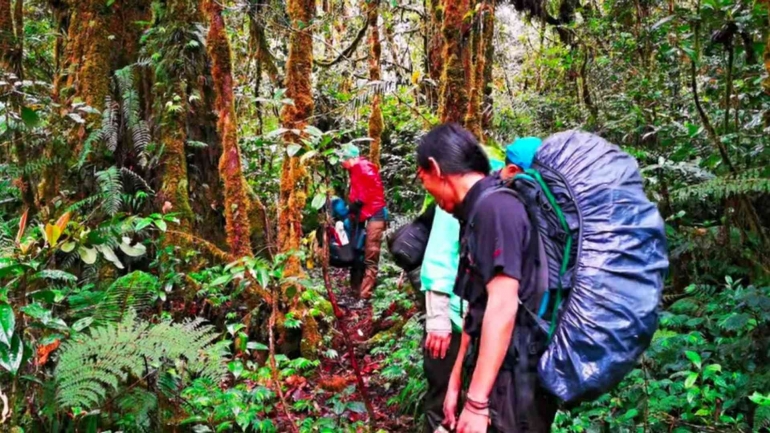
(535, 175)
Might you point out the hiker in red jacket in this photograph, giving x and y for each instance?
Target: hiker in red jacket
(367, 206)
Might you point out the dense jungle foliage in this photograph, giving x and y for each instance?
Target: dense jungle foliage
(163, 164)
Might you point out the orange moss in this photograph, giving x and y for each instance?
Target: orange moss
(453, 99)
(88, 52)
(6, 33)
(435, 45)
(375, 52)
(236, 201)
(477, 83)
(298, 88)
(174, 187)
(293, 193)
(489, 53)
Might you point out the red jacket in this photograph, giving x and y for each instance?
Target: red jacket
(365, 186)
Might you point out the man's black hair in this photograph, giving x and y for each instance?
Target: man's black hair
(455, 150)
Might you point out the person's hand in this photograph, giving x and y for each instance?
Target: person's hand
(356, 206)
(450, 402)
(473, 422)
(437, 344)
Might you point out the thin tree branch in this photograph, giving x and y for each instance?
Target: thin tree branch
(338, 312)
(347, 52)
(273, 366)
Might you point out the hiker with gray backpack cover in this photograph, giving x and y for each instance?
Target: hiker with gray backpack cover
(562, 267)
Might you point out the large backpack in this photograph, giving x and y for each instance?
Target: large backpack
(604, 246)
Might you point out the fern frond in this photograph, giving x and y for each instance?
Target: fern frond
(92, 367)
(750, 182)
(374, 88)
(111, 190)
(137, 181)
(133, 292)
(139, 406)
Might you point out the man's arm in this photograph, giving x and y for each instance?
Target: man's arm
(496, 331)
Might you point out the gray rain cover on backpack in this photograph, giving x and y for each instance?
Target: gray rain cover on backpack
(621, 261)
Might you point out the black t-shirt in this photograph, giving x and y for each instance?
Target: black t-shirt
(498, 243)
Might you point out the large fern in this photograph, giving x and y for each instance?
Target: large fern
(751, 183)
(94, 367)
(132, 292)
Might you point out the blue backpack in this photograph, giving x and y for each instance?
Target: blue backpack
(603, 261)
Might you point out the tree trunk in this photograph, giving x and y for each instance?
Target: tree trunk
(259, 42)
(293, 193)
(173, 125)
(435, 46)
(457, 69)
(6, 34)
(476, 85)
(236, 201)
(489, 55)
(375, 50)
(299, 89)
(88, 51)
(766, 84)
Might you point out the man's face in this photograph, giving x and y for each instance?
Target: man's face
(440, 187)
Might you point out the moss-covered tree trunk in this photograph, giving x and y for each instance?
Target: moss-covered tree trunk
(259, 42)
(434, 48)
(457, 68)
(476, 83)
(295, 116)
(375, 51)
(489, 57)
(236, 200)
(102, 37)
(294, 177)
(173, 125)
(6, 35)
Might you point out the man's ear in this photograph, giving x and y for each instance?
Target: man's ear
(434, 167)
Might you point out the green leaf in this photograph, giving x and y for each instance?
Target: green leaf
(292, 149)
(137, 250)
(262, 277)
(7, 323)
(109, 254)
(236, 368)
(690, 381)
(253, 345)
(307, 155)
(222, 279)
(695, 358)
(87, 255)
(318, 201)
(10, 357)
(68, 247)
(143, 223)
(29, 117)
(161, 225)
(312, 130)
(232, 328)
(357, 407)
(110, 2)
(662, 22)
(82, 324)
